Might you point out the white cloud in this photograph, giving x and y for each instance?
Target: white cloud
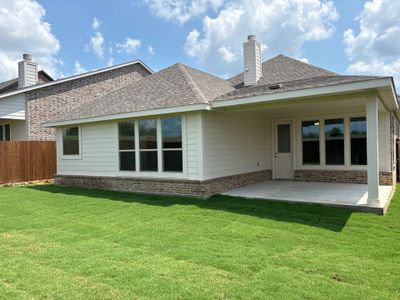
(130, 46)
(24, 30)
(110, 58)
(182, 10)
(96, 24)
(150, 50)
(226, 54)
(78, 69)
(96, 44)
(375, 49)
(281, 26)
(110, 61)
(304, 59)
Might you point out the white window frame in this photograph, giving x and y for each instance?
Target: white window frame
(170, 149)
(323, 166)
(71, 157)
(344, 140)
(3, 129)
(349, 140)
(159, 173)
(150, 150)
(127, 150)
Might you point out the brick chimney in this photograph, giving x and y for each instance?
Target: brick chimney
(27, 72)
(252, 61)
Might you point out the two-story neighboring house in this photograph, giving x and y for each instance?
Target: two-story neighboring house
(34, 97)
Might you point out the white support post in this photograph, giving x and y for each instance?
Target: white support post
(372, 103)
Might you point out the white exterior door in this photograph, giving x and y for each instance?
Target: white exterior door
(283, 150)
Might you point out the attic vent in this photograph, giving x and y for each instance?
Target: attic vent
(275, 87)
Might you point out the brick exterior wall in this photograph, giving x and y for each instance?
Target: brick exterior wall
(385, 178)
(184, 187)
(51, 102)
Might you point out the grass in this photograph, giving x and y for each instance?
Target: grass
(58, 242)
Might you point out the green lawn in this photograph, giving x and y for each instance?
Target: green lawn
(58, 242)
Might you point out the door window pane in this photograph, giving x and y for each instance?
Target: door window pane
(172, 132)
(71, 141)
(334, 142)
(148, 134)
(126, 131)
(1, 132)
(310, 135)
(284, 138)
(358, 141)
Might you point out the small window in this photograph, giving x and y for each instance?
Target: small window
(334, 142)
(172, 144)
(148, 145)
(358, 141)
(5, 132)
(310, 136)
(71, 141)
(126, 138)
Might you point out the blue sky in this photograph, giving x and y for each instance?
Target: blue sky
(344, 36)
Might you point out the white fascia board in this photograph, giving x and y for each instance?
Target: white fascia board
(39, 86)
(335, 89)
(138, 114)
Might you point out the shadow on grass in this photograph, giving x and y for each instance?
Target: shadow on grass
(316, 215)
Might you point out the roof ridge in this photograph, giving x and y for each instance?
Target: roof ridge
(192, 84)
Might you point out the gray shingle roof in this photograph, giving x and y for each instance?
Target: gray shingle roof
(281, 69)
(12, 84)
(300, 84)
(180, 85)
(174, 86)
(9, 85)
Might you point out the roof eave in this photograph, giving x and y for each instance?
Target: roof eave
(310, 92)
(138, 114)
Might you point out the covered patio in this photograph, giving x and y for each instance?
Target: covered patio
(353, 196)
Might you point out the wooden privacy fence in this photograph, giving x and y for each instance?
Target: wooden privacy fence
(27, 161)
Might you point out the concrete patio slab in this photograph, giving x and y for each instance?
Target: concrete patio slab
(353, 196)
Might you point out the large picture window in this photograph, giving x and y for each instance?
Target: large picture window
(148, 145)
(5, 132)
(126, 137)
(358, 141)
(172, 144)
(310, 139)
(70, 138)
(334, 142)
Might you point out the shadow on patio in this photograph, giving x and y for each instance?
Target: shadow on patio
(330, 218)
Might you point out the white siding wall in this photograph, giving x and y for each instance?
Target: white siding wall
(217, 144)
(194, 142)
(235, 143)
(99, 144)
(99, 156)
(13, 107)
(18, 129)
